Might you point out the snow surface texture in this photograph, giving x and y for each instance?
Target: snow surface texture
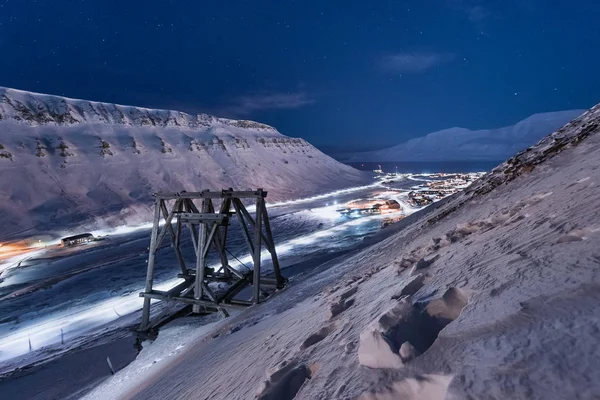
(71, 163)
(459, 144)
(492, 295)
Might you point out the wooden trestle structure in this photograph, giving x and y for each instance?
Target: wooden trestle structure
(196, 212)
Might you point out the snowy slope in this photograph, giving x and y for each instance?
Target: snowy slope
(459, 144)
(491, 294)
(66, 163)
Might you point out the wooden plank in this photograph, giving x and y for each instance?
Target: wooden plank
(161, 296)
(210, 194)
(202, 217)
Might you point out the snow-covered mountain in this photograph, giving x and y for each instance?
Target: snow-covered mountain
(66, 162)
(489, 294)
(459, 144)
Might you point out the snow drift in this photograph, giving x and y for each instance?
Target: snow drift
(490, 294)
(459, 144)
(66, 162)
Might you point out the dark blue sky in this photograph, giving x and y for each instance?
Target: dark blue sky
(352, 73)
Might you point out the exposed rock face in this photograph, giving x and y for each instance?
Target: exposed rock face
(39, 109)
(66, 163)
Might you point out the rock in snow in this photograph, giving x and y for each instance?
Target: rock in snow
(67, 163)
(459, 144)
(511, 315)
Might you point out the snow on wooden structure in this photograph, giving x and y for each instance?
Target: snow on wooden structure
(207, 216)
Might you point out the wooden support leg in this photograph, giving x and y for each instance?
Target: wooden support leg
(257, 249)
(251, 221)
(174, 234)
(177, 241)
(222, 237)
(200, 262)
(276, 269)
(245, 232)
(150, 271)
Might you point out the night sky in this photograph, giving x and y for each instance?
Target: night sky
(356, 74)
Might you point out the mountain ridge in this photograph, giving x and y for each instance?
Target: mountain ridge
(38, 108)
(67, 164)
(462, 144)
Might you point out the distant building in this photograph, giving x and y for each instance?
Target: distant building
(77, 239)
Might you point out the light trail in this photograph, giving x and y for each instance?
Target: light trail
(15, 260)
(324, 195)
(412, 178)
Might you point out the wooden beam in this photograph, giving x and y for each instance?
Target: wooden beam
(252, 222)
(257, 249)
(150, 269)
(211, 195)
(245, 231)
(197, 218)
(174, 235)
(180, 287)
(200, 261)
(221, 236)
(236, 288)
(160, 295)
(190, 207)
(233, 271)
(274, 259)
(268, 281)
(178, 242)
(168, 217)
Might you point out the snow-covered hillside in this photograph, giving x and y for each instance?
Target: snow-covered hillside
(67, 163)
(459, 144)
(491, 294)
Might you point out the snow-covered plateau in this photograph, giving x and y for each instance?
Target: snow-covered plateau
(460, 144)
(490, 294)
(68, 163)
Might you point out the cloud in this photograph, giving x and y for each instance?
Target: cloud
(473, 9)
(248, 104)
(478, 14)
(415, 62)
(267, 101)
